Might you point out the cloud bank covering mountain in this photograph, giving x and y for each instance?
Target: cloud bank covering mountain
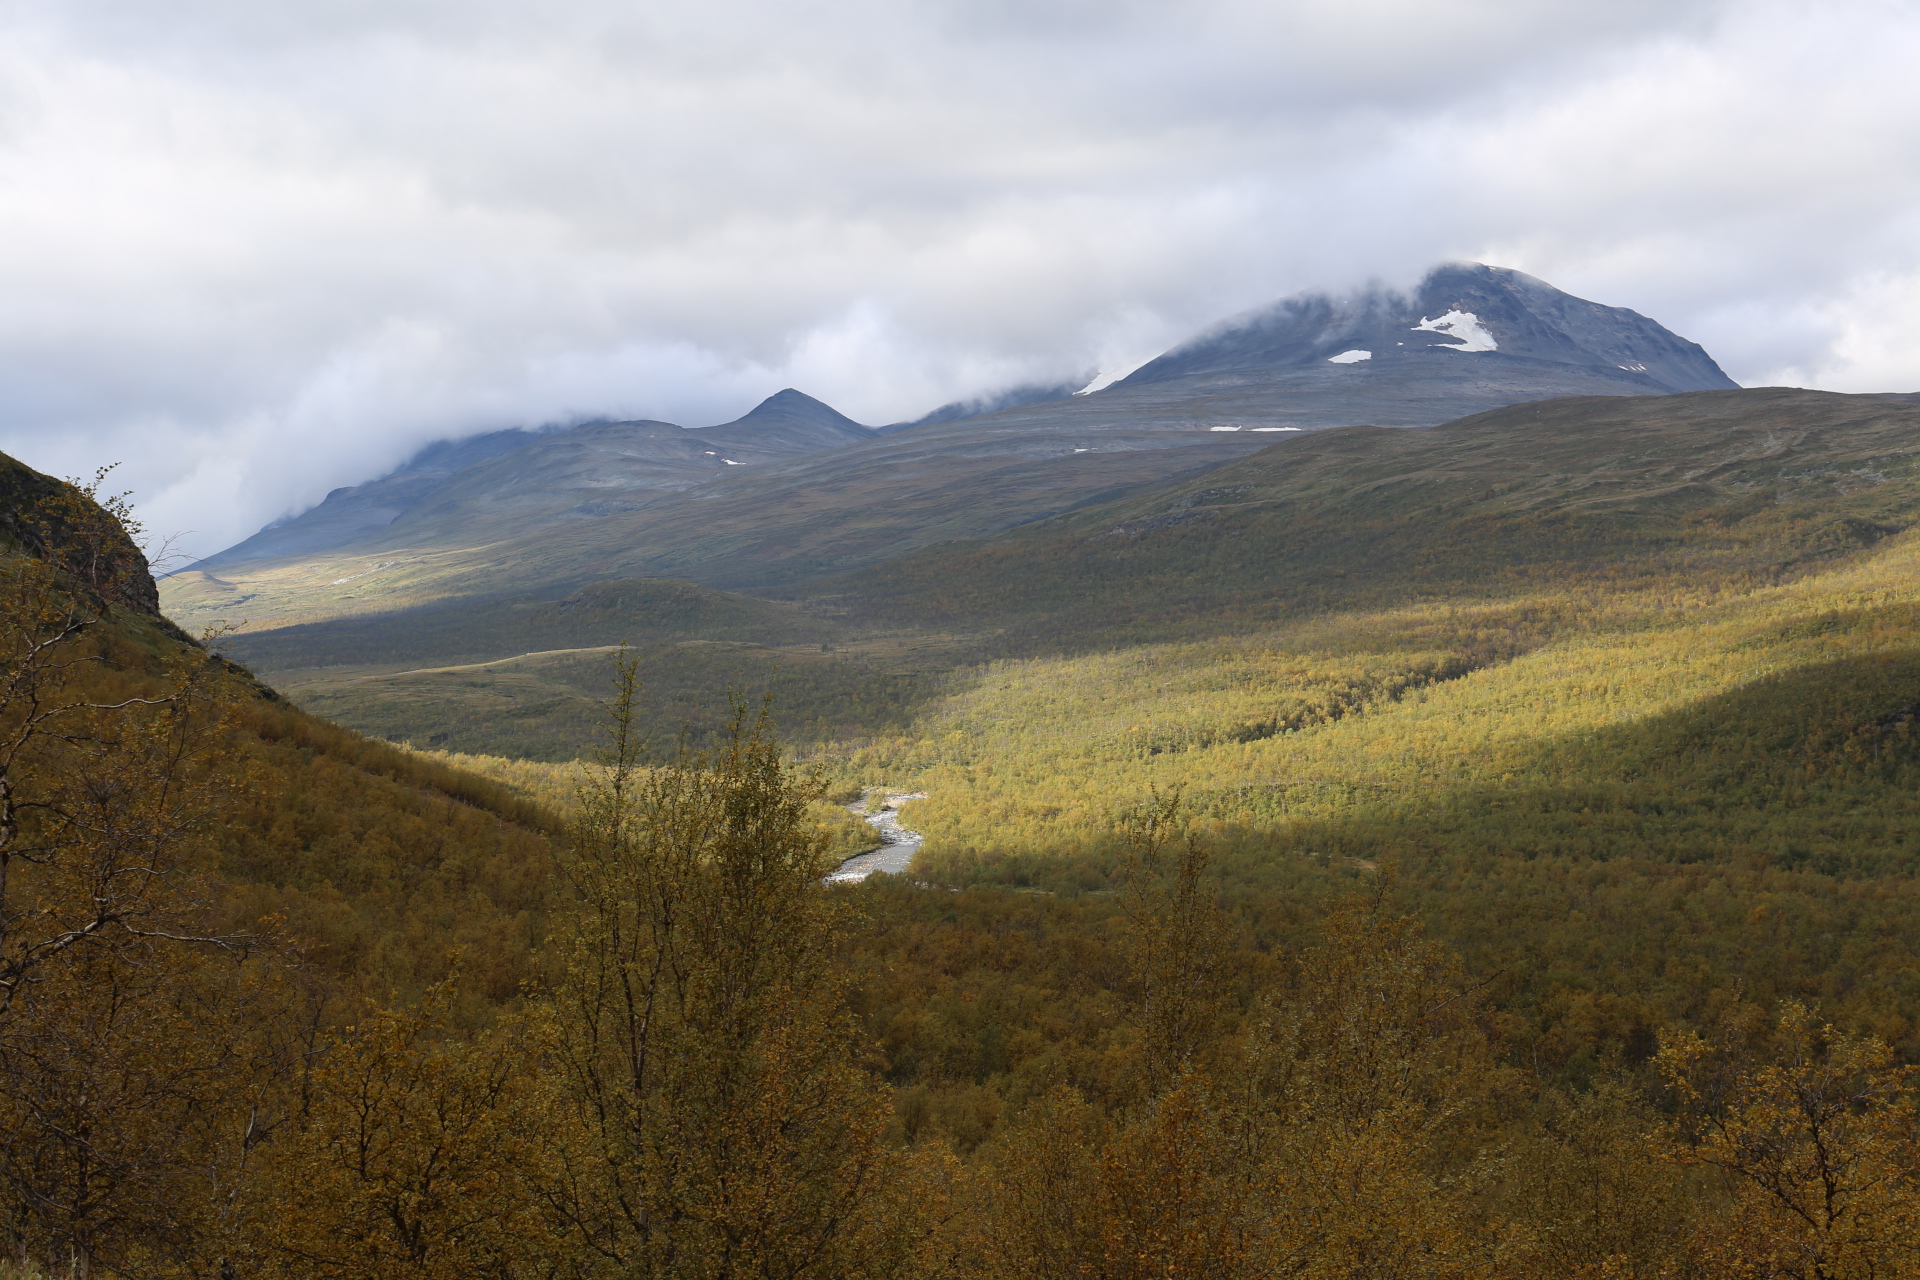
(260, 252)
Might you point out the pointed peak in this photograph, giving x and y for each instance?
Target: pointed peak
(791, 407)
(790, 401)
(797, 419)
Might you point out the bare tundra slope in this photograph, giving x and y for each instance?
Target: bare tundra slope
(794, 491)
(1751, 484)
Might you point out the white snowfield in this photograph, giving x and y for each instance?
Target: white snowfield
(1350, 357)
(1463, 325)
(1107, 377)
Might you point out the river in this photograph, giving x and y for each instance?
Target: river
(897, 844)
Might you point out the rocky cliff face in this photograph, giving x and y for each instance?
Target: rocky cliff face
(54, 521)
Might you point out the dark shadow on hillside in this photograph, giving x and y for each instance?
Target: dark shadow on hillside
(551, 706)
(633, 610)
(1760, 845)
(1811, 770)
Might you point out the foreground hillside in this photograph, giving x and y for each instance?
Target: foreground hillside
(383, 862)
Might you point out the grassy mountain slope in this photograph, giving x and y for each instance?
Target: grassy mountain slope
(1707, 486)
(1708, 491)
(762, 525)
(528, 676)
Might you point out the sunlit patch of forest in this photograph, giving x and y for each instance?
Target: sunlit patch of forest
(1660, 790)
(559, 787)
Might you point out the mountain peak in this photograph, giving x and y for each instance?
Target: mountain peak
(790, 401)
(795, 420)
(1460, 310)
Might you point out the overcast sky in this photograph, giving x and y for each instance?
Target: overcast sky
(257, 250)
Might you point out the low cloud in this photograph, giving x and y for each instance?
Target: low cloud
(258, 251)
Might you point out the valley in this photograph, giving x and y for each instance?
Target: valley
(1661, 648)
(1467, 800)
(1487, 654)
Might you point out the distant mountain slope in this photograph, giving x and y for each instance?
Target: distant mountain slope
(610, 612)
(508, 478)
(1757, 481)
(794, 491)
(980, 406)
(356, 511)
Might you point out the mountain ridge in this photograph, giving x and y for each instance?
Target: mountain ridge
(794, 491)
(646, 454)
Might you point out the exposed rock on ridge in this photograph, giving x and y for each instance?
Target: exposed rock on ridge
(52, 520)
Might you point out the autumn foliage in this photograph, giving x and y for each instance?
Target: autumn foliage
(278, 1001)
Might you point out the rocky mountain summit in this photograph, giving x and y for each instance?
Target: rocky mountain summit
(1519, 324)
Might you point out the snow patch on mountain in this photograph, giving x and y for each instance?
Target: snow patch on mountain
(1350, 357)
(1463, 325)
(1106, 378)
